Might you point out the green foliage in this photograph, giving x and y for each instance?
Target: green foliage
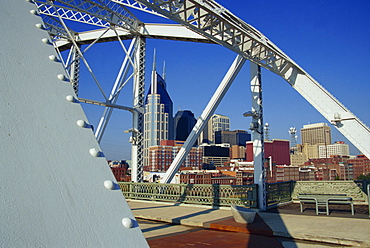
(364, 177)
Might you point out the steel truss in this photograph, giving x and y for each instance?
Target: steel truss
(215, 22)
(103, 13)
(111, 16)
(205, 116)
(218, 25)
(137, 153)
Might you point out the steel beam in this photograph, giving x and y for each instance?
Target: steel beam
(116, 89)
(333, 110)
(204, 118)
(137, 153)
(74, 71)
(101, 13)
(215, 22)
(258, 135)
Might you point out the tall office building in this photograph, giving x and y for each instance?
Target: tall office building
(216, 123)
(158, 116)
(339, 148)
(237, 137)
(318, 133)
(220, 123)
(184, 123)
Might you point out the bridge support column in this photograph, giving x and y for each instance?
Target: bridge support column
(137, 152)
(257, 134)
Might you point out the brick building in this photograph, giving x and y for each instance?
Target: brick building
(361, 165)
(277, 149)
(161, 157)
(120, 170)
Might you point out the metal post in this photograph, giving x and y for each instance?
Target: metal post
(368, 197)
(137, 156)
(257, 134)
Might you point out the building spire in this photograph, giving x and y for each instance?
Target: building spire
(154, 60)
(154, 75)
(164, 71)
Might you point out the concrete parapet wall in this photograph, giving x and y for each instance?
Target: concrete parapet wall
(330, 187)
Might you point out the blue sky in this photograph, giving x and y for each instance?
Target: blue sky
(329, 40)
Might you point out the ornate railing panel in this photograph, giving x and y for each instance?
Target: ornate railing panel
(353, 189)
(242, 195)
(203, 194)
(279, 192)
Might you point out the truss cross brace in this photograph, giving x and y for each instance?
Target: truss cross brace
(114, 94)
(206, 115)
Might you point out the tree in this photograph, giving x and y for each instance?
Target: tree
(364, 177)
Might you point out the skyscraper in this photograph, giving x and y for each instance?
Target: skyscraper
(216, 123)
(318, 133)
(237, 137)
(220, 123)
(184, 123)
(158, 116)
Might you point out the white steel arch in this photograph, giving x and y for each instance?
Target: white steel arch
(215, 22)
(218, 25)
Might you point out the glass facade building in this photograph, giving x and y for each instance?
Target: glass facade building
(184, 123)
(158, 115)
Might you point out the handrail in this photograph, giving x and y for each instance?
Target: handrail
(368, 197)
(203, 194)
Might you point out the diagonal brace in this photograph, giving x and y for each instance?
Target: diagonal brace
(204, 118)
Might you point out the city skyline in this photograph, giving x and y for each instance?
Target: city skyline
(329, 42)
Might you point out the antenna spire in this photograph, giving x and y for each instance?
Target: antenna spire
(154, 60)
(164, 71)
(154, 75)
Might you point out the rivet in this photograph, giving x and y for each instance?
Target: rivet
(34, 12)
(127, 222)
(54, 58)
(95, 153)
(62, 77)
(81, 123)
(40, 26)
(46, 41)
(109, 184)
(70, 98)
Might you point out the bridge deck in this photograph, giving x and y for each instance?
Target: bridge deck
(286, 221)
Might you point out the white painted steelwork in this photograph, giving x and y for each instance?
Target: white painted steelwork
(203, 119)
(116, 89)
(102, 13)
(137, 152)
(53, 180)
(215, 22)
(219, 25)
(258, 135)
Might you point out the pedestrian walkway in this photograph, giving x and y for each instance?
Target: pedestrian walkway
(327, 229)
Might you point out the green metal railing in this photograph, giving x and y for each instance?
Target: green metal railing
(203, 194)
(241, 195)
(279, 192)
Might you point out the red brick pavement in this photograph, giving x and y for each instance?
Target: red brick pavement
(224, 233)
(215, 238)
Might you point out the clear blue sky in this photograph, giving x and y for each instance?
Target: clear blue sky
(328, 39)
